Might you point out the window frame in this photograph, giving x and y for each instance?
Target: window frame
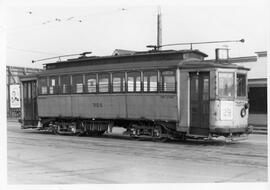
(25, 91)
(148, 81)
(54, 87)
(233, 87)
(161, 89)
(109, 82)
(74, 85)
(122, 81)
(245, 85)
(41, 87)
(134, 76)
(29, 91)
(86, 83)
(68, 86)
(69, 81)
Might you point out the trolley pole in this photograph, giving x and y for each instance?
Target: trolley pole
(157, 47)
(159, 30)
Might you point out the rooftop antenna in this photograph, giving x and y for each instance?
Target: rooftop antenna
(159, 29)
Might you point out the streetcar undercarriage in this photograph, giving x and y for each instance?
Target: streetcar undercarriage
(156, 130)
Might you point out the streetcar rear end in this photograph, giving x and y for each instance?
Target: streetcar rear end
(29, 117)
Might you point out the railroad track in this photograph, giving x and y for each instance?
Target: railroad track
(226, 153)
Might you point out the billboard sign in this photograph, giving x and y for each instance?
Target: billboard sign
(14, 95)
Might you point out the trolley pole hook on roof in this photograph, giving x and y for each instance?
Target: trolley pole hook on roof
(61, 56)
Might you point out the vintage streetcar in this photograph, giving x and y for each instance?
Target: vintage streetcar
(169, 94)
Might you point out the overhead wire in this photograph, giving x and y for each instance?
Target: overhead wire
(71, 18)
(31, 51)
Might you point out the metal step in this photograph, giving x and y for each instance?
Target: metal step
(197, 131)
(259, 132)
(260, 128)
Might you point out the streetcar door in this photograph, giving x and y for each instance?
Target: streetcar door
(29, 103)
(199, 103)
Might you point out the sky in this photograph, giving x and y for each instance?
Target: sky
(42, 29)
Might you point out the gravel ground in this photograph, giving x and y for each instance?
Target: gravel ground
(40, 158)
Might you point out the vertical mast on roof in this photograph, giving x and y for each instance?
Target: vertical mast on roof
(159, 29)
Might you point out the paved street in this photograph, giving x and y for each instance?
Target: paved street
(38, 158)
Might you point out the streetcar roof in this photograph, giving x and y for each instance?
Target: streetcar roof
(165, 59)
(211, 64)
(135, 56)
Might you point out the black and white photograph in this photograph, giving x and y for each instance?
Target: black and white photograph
(134, 94)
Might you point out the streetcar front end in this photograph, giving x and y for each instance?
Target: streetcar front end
(229, 109)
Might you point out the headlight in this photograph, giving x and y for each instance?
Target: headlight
(243, 112)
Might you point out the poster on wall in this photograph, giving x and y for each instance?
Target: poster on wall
(14, 94)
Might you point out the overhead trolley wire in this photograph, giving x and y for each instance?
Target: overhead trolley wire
(31, 51)
(67, 19)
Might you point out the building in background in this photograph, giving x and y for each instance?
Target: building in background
(257, 86)
(13, 88)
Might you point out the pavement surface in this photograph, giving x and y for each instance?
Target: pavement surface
(41, 158)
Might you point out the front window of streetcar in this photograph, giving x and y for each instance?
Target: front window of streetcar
(226, 84)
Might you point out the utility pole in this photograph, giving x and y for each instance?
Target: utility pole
(159, 29)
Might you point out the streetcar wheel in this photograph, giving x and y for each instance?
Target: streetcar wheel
(55, 129)
(157, 132)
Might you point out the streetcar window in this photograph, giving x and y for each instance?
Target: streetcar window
(43, 85)
(24, 90)
(34, 93)
(150, 81)
(91, 80)
(53, 84)
(103, 82)
(65, 84)
(77, 81)
(29, 91)
(134, 82)
(168, 81)
(226, 84)
(118, 82)
(241, 85)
